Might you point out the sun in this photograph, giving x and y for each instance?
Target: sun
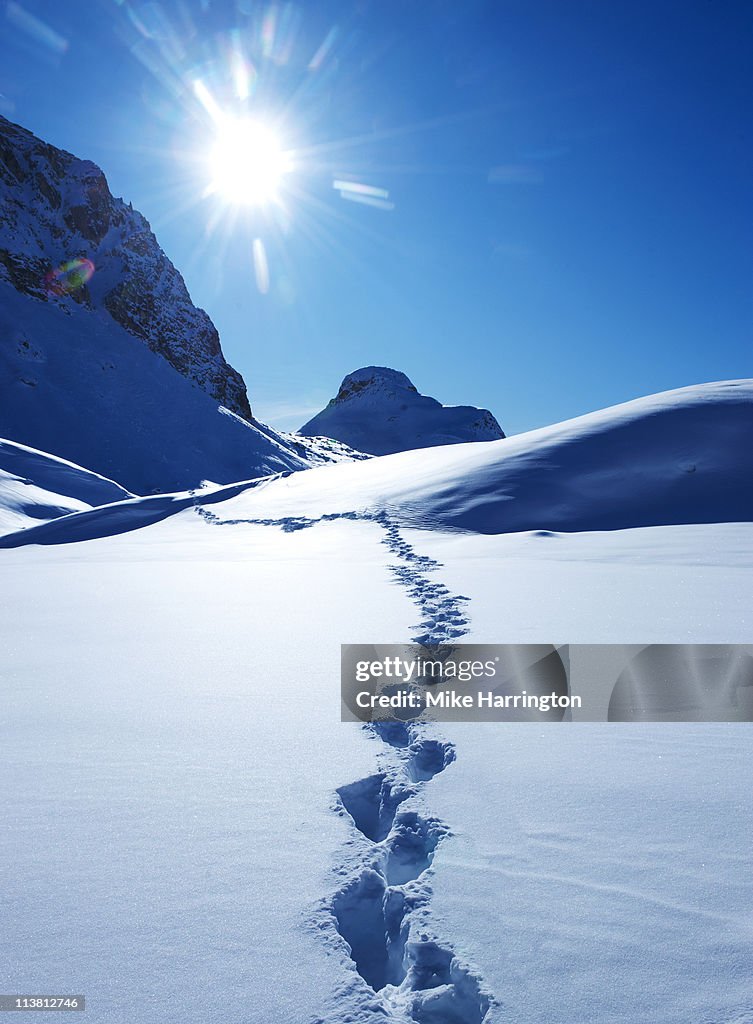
(247, 163)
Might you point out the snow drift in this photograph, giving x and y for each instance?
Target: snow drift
(34, 486)
(82, 388)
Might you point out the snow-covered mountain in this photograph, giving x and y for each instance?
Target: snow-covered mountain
(104, 359)
(378, 410)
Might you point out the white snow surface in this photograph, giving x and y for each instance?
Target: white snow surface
(686, 584)
(378, 410)
(175, 846)
(172, 752)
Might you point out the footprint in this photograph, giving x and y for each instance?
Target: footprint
(395, 734)
(428, 758)
(446, 991)
(359, 917)
(410, 847)
(372, 804)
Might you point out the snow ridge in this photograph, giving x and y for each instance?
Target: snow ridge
(666, 460)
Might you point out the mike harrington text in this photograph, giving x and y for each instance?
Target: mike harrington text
(414, 700)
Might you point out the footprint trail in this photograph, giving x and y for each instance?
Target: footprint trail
(380, 910)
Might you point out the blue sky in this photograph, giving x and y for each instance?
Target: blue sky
(567, 221)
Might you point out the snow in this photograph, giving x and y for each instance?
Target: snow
(600, 872)
(189, 821)
(173, 749)
(571, 874)
(378, 410)
(666, 584)
(35, 486)
(190, 833)
(683, 456)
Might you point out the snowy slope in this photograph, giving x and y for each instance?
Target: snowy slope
(34, 486)
(83, 389)
(378, 410)
(683, 456)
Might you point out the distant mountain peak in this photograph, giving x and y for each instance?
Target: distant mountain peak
(372, 378)
(380, 411)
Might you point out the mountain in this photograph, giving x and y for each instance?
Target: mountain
(104, 359)
(379, 411)
(680, 457)
(65, 240)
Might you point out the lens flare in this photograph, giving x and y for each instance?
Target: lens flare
(261, 267)
(370, 195)
(69, 277)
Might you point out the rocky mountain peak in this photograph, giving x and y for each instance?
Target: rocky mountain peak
(65, 239)
(378, 410)
(373, 379)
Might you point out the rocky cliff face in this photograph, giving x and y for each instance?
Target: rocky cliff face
(378, 410)
(64, 239)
